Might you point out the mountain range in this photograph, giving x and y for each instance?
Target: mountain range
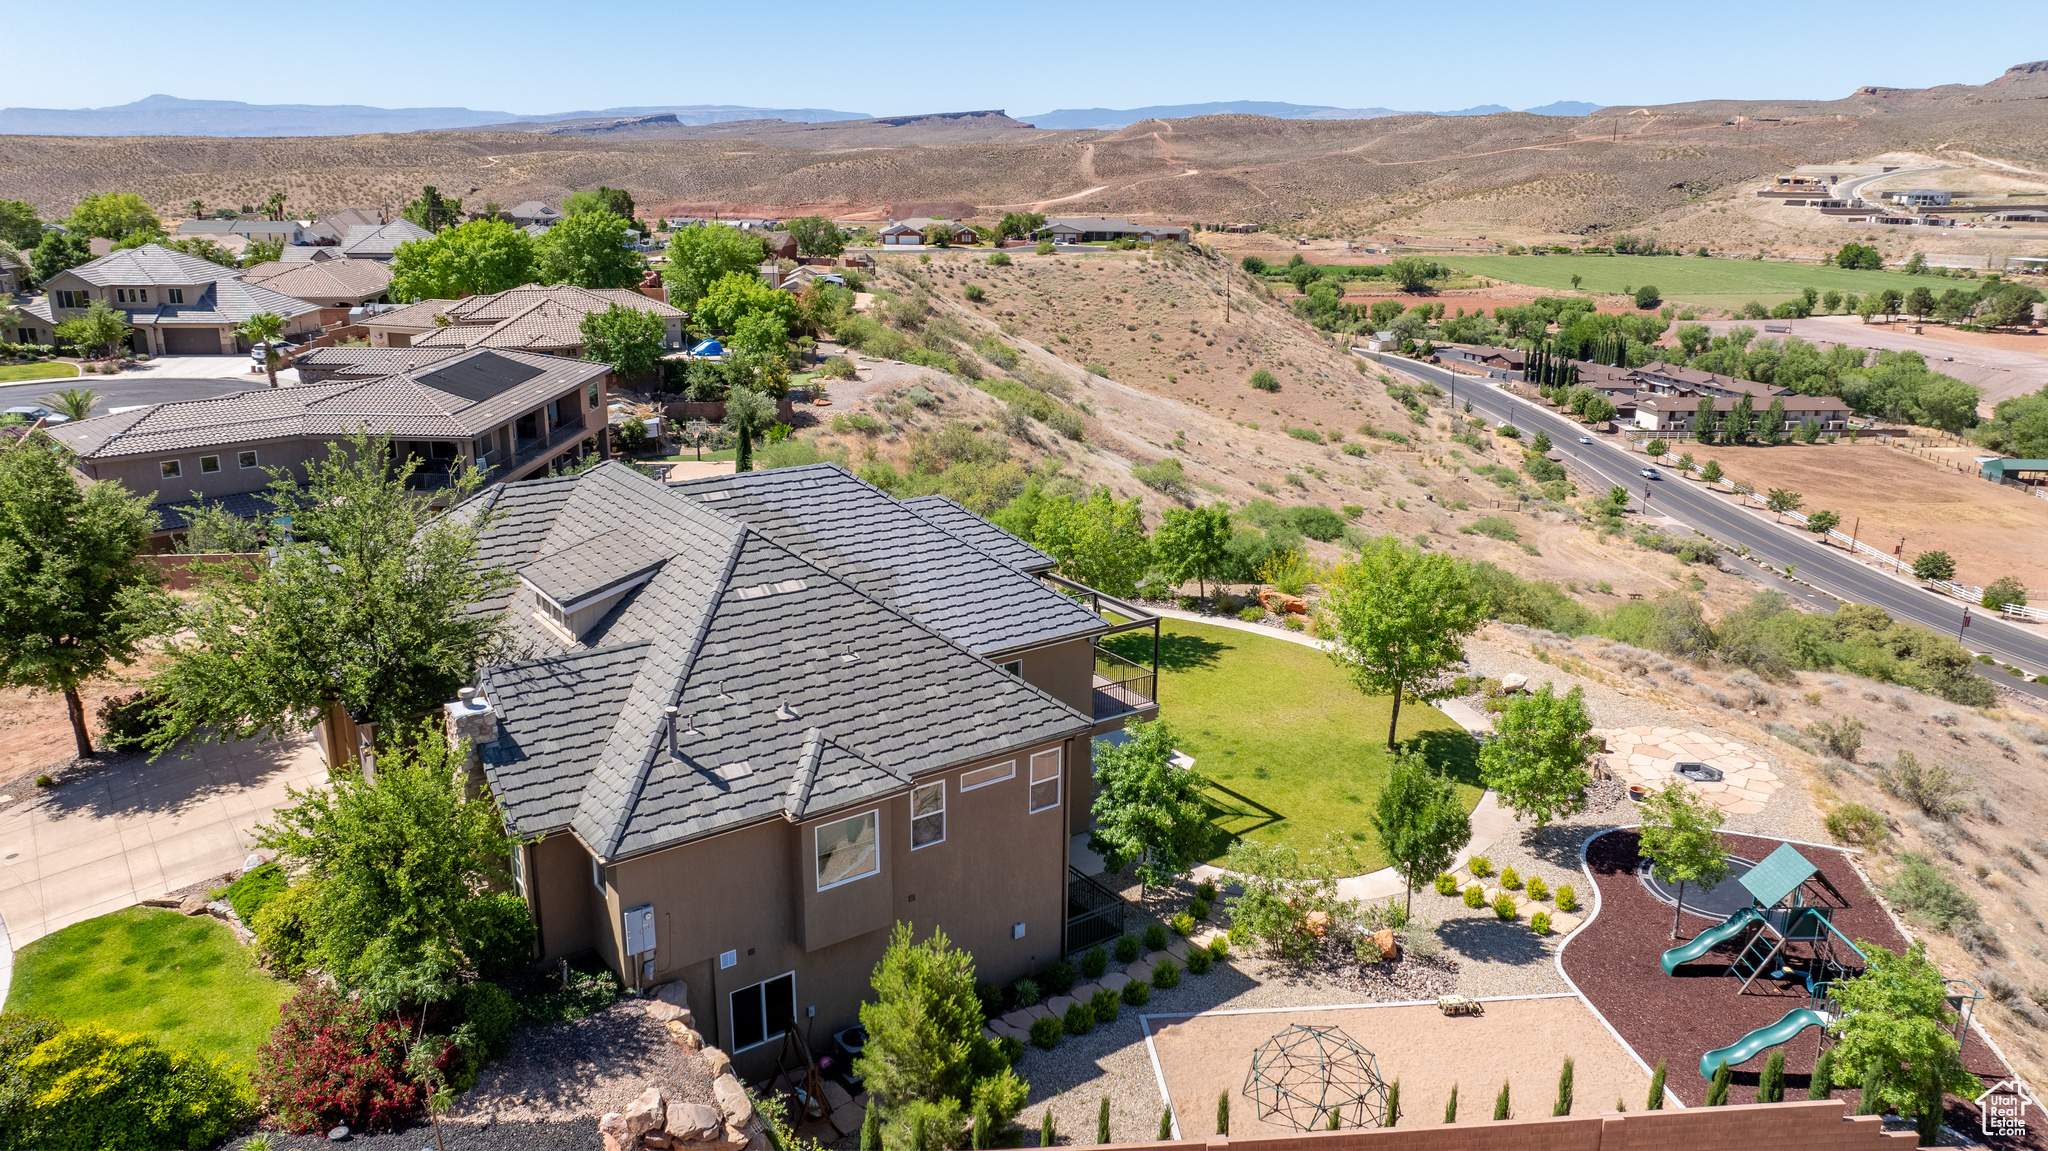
(174, 116)
(1110, 119)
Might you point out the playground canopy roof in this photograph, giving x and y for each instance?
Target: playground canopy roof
(1778, 876)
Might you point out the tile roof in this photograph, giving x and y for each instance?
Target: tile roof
(545, 324)
(861, 534)
(418, 315)
(877, 698)
(593, 566)
(456, 398)
(376, 240)
(514, 301)
(335, 225)
(327, 279)
(364, 363)
(152, 265)
(970, 528)
(223, 298)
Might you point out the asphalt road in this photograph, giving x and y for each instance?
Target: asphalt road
(124, 391)
(1824, 567)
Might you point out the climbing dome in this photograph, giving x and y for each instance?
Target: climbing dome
(1305, 1075)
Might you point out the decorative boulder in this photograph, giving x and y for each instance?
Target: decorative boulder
(1514, 681)
(683, 1035)
(695, 1122)
(647, 1113)
(1384, 940)
(1318, 923)
(718, 1062)
(662, 1012)
(613, 1128)
(732, 1100)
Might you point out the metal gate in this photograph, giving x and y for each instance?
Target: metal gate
(1095, 914)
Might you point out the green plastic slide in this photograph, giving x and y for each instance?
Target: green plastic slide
(1706, 940)
(1746, 1048)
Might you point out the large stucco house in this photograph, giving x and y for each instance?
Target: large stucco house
(179, 305)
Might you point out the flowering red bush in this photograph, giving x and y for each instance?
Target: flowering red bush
(331, 1061)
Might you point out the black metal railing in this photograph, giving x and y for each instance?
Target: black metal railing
(1122, 686)
(1095, 914)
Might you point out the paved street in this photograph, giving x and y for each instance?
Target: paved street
(1827, 568)
(130, 389)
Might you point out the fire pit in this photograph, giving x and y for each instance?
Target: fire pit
(1698, 772)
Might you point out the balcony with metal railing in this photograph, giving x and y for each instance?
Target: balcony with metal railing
(1123, 687)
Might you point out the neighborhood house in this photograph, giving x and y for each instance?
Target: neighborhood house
(1094, 229)
(179, 305)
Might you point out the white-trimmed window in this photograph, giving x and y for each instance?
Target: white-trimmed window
(983, 776)
(170, 469)
(1014, 667)
(849, 849)
(177, 295)
(927, 815)
(551, 609)
(762, 1012)
(1045, 780)
(209, 465)
(519, 869)
(245, 459)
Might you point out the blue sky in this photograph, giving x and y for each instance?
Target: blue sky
(529, 57)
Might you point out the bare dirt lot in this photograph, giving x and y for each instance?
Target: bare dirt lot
(1990, 530)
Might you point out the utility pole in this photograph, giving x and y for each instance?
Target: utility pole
(1226, 290)
(1965, 624)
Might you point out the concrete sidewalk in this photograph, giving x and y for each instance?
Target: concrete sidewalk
(138, 830)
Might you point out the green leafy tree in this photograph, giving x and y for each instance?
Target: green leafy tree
(815, 236)
(409, 880)
(1146, 810)
(747, 414)
(202, 248)
(616, 201)
(2005, 590)
(1097, 541)
(738, 294)
(368, 608)
(1018, 225)
(926, 1056)
(99, 331)
(1703, 420)
(75, 596)
(473, 259)
(1254, 266)
(19, 224)
(1896, 1032)
(1192, 544)
(589, 250)
(112, 216)
(628, 339)
(1681, 836)
(700, 256)
(1782, 500)
(264, 328)
(1934, 566)
(1648, 297)
(1420, 821)
(1770, 429)
(1401, 617)
(432, 210)
(211, 529)
(1413, 274)
(1822, 522)
(1537, 762)
(261, 252)
(1711, 472)
(1741, 419)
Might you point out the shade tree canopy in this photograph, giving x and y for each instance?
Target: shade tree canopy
(589, 250)
(1401, 617)
(473, 259)
(701, 255)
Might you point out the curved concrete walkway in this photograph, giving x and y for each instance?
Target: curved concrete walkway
(1490, 821)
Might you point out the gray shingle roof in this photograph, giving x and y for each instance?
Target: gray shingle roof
(378, 240)
(151, 265)
(733, 627)
(859, 533)
(595, 565)
(969, 528)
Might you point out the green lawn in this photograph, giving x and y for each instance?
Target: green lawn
(1685, 279)
(1292, 749)
(14, 373)
(181, 979)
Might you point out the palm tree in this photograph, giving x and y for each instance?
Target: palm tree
(72, 403)
(747, 412)
(275, 205)
(264, 328)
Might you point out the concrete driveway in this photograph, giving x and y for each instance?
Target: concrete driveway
(201, 368)
(138, 830)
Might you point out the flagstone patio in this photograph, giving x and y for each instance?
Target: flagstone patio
(1648, 755)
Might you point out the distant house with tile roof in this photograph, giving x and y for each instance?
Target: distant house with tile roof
(329, 229)
(514, 414)
(757, 714)
(179, 304)
(536, 318)
(329, 283)
(1094, 229)
(918, 229)
(535, 214)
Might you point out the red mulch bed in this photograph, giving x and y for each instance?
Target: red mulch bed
(1614, 961)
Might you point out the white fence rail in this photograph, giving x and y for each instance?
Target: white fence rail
(2022, 611)
(1961, 591)
(1854, 544)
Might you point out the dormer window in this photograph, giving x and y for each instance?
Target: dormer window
(552, 610)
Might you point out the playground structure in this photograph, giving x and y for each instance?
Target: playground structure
(1791, 937)
(1312, 1078)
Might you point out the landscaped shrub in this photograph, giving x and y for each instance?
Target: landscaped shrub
(1095, 962)
(1855, 823)
(1137, 993)
(1128, 948)
(838, 368)
(1206, 892)
(586, 993)
(1540, 923)
(1024, 993)
(1219, 947)
(126, 720)
(1446, 884)
(1080, 1019)
(493, 1015)
(1046, 1032)
(284, 938)
(1510, 879)
(1199, 960)
(1060, 977)
(1475, 896)
(1199, 909)
(90, 1088)
(1167, 975)
(1479, 866)
(1252, 614)
(1183, 924)
(1155, 937)
(1105, 1005)
(1538, 890)
(1567, 899)
(1504, 906)
(248, 894)
(331, 1061)
(1927, 895)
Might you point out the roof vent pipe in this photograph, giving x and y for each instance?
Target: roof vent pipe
(782, 711)
(674, 749)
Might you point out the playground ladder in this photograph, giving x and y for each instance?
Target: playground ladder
(1762, 946)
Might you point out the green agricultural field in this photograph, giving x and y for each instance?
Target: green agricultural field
(184, 981)
(1293, 751)
(1687, 279)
